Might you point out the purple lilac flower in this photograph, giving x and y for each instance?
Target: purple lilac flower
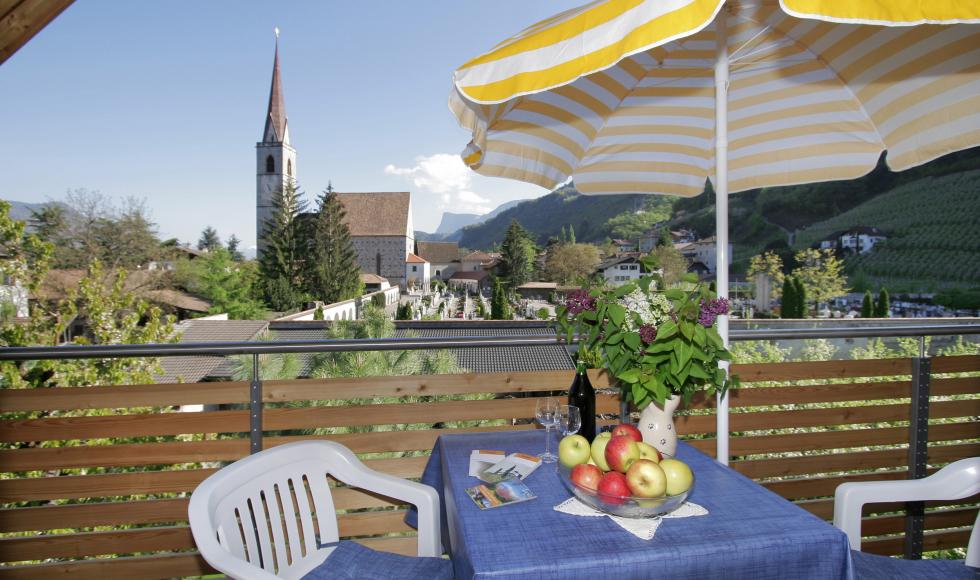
(711, 309)
(579, 301)
(648, 333)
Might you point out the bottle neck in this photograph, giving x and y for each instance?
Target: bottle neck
(580, 368)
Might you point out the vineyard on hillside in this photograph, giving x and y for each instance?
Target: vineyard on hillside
(931, 229)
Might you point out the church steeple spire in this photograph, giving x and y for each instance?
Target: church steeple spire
(276, 130)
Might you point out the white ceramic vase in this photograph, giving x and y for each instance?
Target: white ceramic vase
(657, 425)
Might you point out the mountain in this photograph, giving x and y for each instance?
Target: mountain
(22, 210)
(450, 227)
(545, 217)
(455, 221)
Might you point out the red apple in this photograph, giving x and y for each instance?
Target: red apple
(613, 488)
(646, 479)
(587, 476)
(621, 452)
(629, 431)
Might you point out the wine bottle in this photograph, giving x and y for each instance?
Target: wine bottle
(582, 395)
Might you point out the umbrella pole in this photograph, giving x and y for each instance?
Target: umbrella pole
(721, 211)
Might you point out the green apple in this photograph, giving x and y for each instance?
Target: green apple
(648, 451)
(573, 450)
(679, 476)
(599, 451)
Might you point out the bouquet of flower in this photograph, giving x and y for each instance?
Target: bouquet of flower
(656, 343)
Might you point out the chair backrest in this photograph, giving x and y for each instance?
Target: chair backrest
(960, 479)
(270, 510)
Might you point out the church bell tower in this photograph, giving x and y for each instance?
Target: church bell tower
(275, 159)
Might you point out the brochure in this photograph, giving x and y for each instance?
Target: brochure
(491, 495)
(482, 459)
(514, 466)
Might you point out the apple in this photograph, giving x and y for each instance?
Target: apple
(573, 450)
(588, 476)
(646, 479)
(599, 451)
(650, 452)
(620, 452)
(629, 431)
(679, 476)
(613, 488)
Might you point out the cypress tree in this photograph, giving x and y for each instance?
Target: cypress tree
(279, 263)
(788, 308)
(571, 234)
(883, 306)
(499, 309)
(330, 269)
(801, 308)
(867, 308)
(517, 255)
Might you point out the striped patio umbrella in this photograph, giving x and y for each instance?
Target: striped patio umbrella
(656, 96)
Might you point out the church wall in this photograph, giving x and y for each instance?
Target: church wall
(392, 250)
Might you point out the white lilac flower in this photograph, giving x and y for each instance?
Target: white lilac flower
(650, 309)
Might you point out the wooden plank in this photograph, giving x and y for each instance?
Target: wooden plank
(22, 22)
(413, 413)
(954, 431)
(128, 455)
(123, 396)
(157, 511)
(108, 485)
(759, 444)
(945, 540)
(121, 426)
(406, 545)
(765, 420)
(934, 520)
(424, 385)
(824, 486)
(827, 463)
(404, 467)
(374, 523)
(833, 369)
(348, 498)
(831, 393)
(143, 567)
(42, 547)
(955, 364)
(956, 386)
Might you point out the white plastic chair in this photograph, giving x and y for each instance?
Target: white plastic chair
(955, 481)
(253, 519)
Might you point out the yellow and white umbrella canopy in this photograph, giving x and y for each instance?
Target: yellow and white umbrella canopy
(620, 94)
(655, 96)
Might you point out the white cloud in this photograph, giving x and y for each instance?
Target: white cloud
(448, 177)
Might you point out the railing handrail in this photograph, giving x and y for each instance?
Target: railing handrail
(346, 345)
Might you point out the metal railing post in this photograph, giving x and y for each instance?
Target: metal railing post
(255, 408)
(918, 453)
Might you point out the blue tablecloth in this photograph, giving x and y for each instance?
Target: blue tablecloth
(749, 532)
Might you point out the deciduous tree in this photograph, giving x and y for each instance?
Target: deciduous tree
(821, 273)
(571, 263)
(768, 264)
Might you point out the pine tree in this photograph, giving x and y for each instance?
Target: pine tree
(571, 234)
(517, 256)
(867, 307)
(663, 238)
(883, 305)
(279, 264)
(801, 307)
(330, 271)
(499, 308)
(209, 240)
(788, 309)
(232, 245)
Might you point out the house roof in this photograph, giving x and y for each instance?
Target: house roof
(864, 230)
(144, 283)
(193, 369)
(413, 259)
(177, 299)
(470, 275)
(477, 256)
(382, 213)
(372, 278)
(618, 259)
(496, 359)
(438, 252)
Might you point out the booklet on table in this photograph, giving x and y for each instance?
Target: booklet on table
(491, 495)
(514, 466)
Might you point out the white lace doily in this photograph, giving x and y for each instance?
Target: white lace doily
(643, 528)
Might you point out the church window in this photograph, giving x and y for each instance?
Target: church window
(377, 260)
(289, 167)
(270, 164)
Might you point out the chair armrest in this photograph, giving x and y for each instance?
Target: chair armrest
(422, 496)
(956, 480)
(216, 554)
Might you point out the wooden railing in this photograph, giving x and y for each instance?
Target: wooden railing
(95, 472)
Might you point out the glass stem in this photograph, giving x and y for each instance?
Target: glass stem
(547, 440)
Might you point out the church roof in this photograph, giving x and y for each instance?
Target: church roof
(438, 252)
(275, 119)
(382, 213)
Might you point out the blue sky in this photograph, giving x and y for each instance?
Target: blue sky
(165, 101)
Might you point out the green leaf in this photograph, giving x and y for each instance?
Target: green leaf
(714, 338)
(683, 351)
(630, 375)
(617, 313)
(690, 278)
(623, 290)
(687, 329)
(632, 340)
(666, 330)
(674, 294)
(698, 372)
(699, 334)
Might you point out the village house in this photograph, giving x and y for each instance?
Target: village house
(443, 257)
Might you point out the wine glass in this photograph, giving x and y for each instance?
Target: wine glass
(546, 412)
(569, 420)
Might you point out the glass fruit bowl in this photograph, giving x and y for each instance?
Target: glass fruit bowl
(623, 506)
